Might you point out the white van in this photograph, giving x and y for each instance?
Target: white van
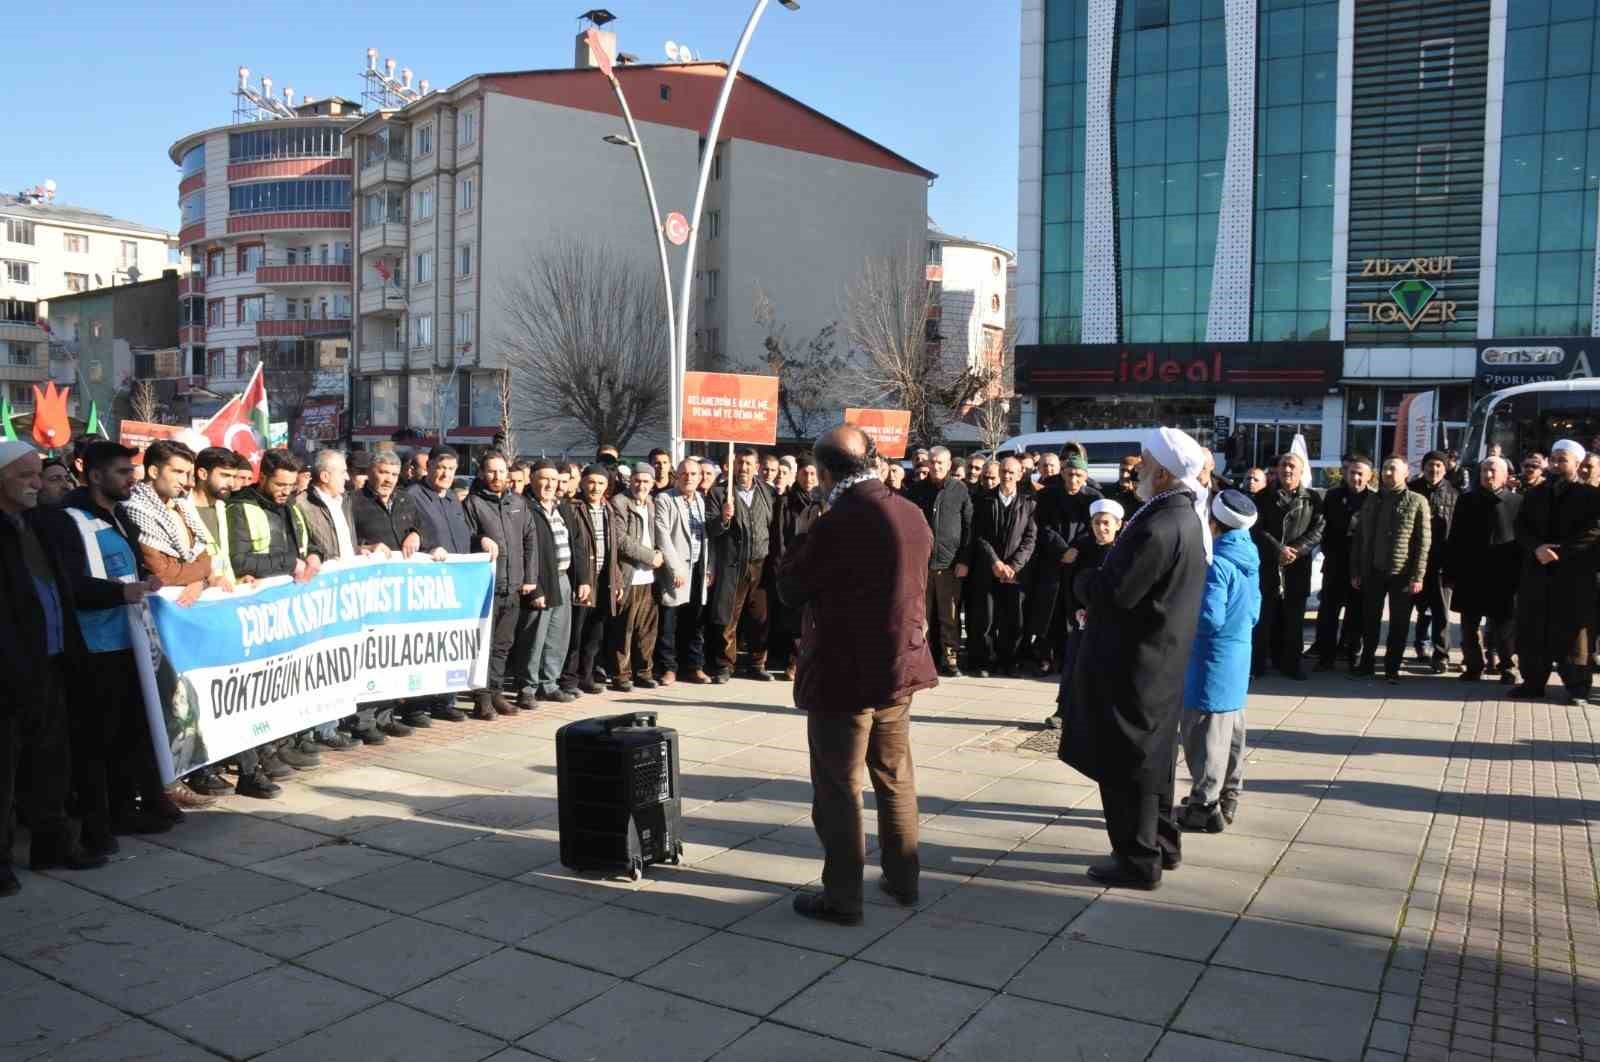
(1104, 448)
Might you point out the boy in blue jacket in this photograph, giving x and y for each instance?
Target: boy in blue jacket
(1218, 680)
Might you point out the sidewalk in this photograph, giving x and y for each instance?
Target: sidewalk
(1412, 875)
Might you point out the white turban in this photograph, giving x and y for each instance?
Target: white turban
(1178, 453)
(1574, 448)
(1234, 509)
(14, 450)
(1106, 505)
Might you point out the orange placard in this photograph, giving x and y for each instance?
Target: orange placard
(889, 428)
(730, 407)
(139, 434)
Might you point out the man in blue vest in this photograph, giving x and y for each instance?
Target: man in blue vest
(39, 640)
(113, 760)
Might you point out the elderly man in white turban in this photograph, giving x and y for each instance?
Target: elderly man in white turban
(1121, 726)
(1558, 528)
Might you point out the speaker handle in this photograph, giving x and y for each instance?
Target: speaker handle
(631, 719)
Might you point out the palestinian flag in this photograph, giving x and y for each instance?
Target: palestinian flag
(243, 424)
(7, 432)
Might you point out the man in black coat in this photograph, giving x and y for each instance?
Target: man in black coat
(1003, 539)
(1482, 563)
(1061, 515)
(444, 523)
(1558, 528)
(947, 506)
(1286, 534)
(1339, 508)
(1144, 605)
(1434, 601)
(502, 526)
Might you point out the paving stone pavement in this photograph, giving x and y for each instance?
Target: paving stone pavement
(1412, 875)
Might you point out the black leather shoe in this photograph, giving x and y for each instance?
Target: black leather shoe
(371, 737)
(1229, 806)
(720, 678)
(419, 720)
(645, 682)
(449, 714)
(395, 728)
(621, 686)
(106, 845)
(904, 899)
(950, 671)
(275, 768)
(558, 697)
(812, 905)
(590, 688)
(1052, 722)
(62, 854)
(527, 699)
(257, 785)
(1202, 818)
(208, 782)
(759, 674)
(1113, 874)
(299, 759)
(1469, 676)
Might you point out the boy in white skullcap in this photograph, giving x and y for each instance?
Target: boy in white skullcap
(1212, 727)
(1083, 555)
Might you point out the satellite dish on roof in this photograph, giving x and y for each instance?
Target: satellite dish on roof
(50, 187)
(133, 274)
(672, 51)
(684, 54)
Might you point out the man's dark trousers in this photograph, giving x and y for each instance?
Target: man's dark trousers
(680, 639)
(1140, 824)
(1376, 590)
(1498, 635)
(510, 641)
(113, 760)
(33, 725)
(1337, 595)
(1434, 602)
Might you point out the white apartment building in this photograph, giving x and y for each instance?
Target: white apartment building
(49, 249)
(458, 192)
(265, 208)
(972, 280)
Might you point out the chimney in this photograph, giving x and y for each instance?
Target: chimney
(583, 59)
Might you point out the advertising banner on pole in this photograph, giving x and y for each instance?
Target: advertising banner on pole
(889, 429)
(1415, 426)
(730, 407)
(236, 670)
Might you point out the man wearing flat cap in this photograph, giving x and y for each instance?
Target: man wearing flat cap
(1558, 528)
(1143, 605)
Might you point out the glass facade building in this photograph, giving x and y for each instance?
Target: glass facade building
(1286, 215)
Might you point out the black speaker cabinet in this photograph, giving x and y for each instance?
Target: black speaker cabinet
(617, 779)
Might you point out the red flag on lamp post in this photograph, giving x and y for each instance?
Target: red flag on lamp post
(597, 50)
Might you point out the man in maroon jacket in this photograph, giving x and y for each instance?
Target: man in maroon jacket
(861, 572)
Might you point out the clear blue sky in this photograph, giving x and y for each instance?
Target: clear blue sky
(98, 91)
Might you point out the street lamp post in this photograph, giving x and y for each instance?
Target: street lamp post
(678, 320)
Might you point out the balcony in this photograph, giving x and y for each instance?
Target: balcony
(194, 284)
(191, 335)
(278, 327)
(21, 368)
(390, 235)
(289, 221)
(302, 274)
(192, 233)
(381, 360)
(378, 171)
(386, 299)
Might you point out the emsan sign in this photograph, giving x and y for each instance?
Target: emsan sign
(1412, 299)
(1507, 363)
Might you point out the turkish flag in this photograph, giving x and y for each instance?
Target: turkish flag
(241, 425)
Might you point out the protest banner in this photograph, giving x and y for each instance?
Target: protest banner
(889, 429)
(236, 670)
(140, 434)
(730, 407)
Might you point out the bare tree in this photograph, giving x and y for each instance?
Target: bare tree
(900, 358)
(989, 408)
(808, 373)
(585, 338)
(507, 435)
(143, 401)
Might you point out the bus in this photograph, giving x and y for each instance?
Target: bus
(1531, 417)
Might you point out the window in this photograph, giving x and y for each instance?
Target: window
(247, 359)
(215, 310)
(713, 224)
(75, 242)
(291, 309)
(1433, 172)
(716, 165)
(19, 231)
(15, 353)
(464, 260)
(422, 205)
(466, 128)
(194, 160)
(713, 282)
(264, 197)
(130, 254)
(191, 208)
(306, 141)
(463, 329)
(251, 257)
(422, 330)
(341, 253)
(19, 272)
(424, 271)
(466, 194)
(384, 206)
(1436, 63)
(216, 362)
(216, 263)
(424, 140)
(1150, 14)
(484, 399)
(341, 307)
(252, 308)
(76, 281)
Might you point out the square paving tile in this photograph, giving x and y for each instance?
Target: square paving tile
(778, 922)
(1231, 851)
(43, 901)
(768, 860)
(416, 837)
(1364, 833)
(218, 897)
(411, 886)
(635, 1022)
(779, 1043)
(389, 1032)
(615, 940)
(1213, 888)
(1017, 904)
(126, 1042)
(694, 894)
(142, 868)
(508, 994)
(139, 962)
(1181, 1047)
(500, 811)
(328, 864)
(42, 1016)
(1182, 932)
(1025, 1030)
(303, 924)
(1126, 984)
(1320, 862)
(398, 955)
(739, 972)
(1310, 953)
(1331, 904)
(507, 911)
(1279, 1014)
(263, 1011)
(956, 949)
(889, 1010)
(238, 839)
(503, 855)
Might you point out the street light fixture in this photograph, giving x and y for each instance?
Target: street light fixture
(618, 140)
